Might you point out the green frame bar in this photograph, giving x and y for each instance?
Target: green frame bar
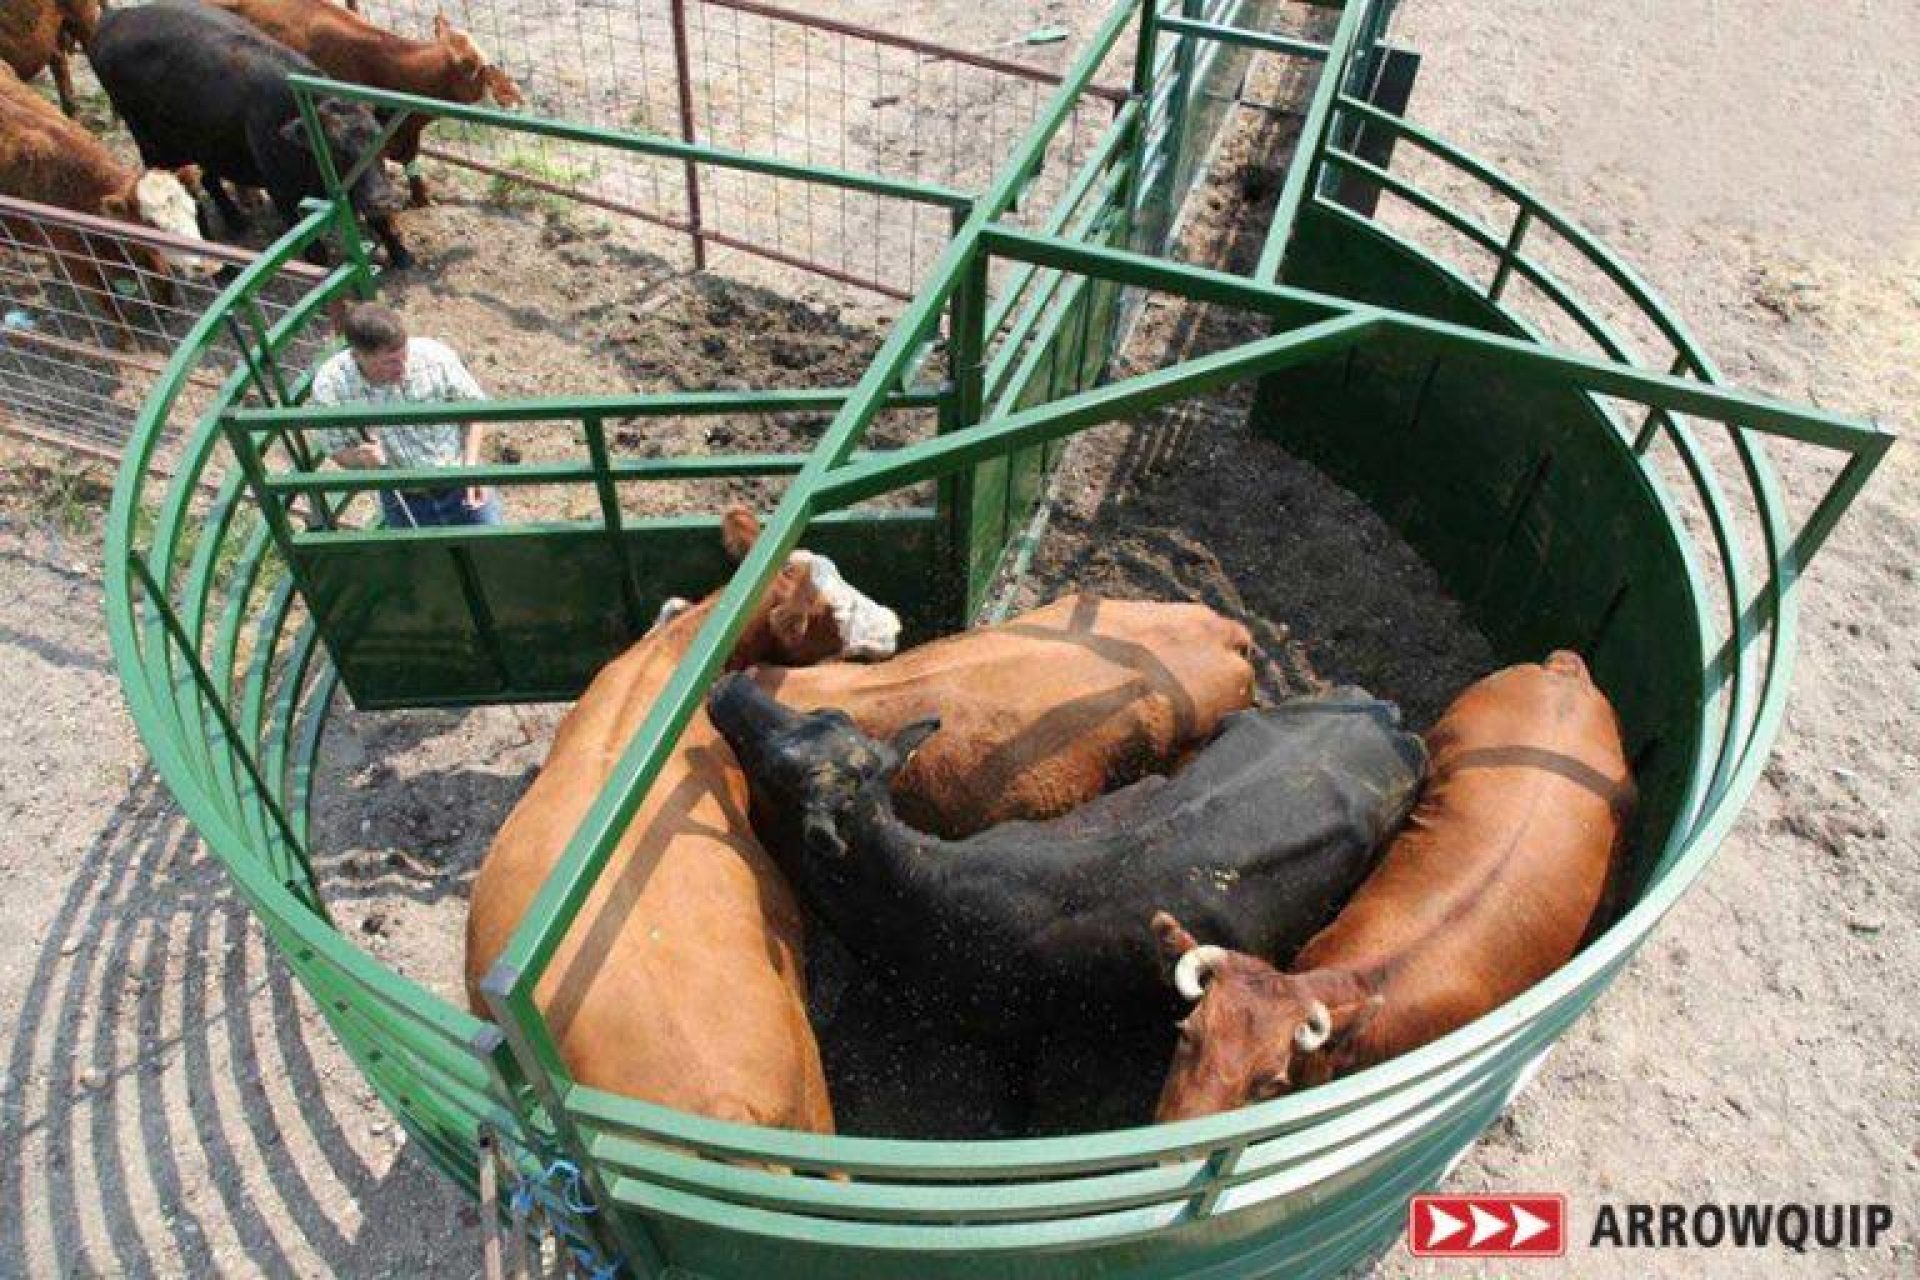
(688, 404)
(1266, 43)
(1127, 398)
(1304, 168)
(306, 87)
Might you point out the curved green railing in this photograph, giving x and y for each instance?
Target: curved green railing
(227, 678)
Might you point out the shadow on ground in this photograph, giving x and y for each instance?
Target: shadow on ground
(173, 1105)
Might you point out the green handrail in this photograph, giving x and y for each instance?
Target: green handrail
(306, 88)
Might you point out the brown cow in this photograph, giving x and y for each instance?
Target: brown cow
(450, 67)
(682, 981)
(1493, 884)
(47, 158)
(38, 34)
(1042, 713)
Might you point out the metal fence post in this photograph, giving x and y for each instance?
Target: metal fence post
(1146, 43)
(596, 434)
(1181, 103)
(960, 409)
(346, 225)
(683, 78)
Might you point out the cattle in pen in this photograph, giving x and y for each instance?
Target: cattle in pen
(42, 35)
(198, 86)
(1044, 712)
(1263, 833)
(49, 159)
(1497, 878)
(682, 980)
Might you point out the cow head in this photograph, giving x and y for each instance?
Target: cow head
(808, 614)
(351, 132)
(813, 613)
(471, 74)
(1254, 1033)
(806, 770)
(165, 201)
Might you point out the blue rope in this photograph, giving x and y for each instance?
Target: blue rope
(559, 1186)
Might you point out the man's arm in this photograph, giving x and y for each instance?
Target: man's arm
(458, 384)
(356, 450)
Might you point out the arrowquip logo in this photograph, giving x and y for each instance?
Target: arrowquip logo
(1539, 1226)
(1798, 1227)
(1516, 1226)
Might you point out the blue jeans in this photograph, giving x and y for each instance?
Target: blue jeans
(423, 507)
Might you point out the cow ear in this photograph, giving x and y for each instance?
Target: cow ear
(739, 528)
(505, 92)
(913, 737)
(822, 838)
(441, 27)
(1174, 940)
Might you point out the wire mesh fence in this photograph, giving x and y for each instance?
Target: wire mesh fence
(93, 309)
(754, 78)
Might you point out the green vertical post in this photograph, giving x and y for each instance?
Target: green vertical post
(344, 223)
(960, 409)
(596, 432)
(1145, 41)
(1184, 59)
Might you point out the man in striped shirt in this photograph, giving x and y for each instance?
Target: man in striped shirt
(382, 365)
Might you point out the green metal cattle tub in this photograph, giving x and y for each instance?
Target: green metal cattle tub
(1657, 543)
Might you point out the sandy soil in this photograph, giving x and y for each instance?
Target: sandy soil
(169, 1103)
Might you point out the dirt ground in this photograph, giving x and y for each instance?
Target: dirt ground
(169, 1104)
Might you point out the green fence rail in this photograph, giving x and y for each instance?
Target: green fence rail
(231, 663)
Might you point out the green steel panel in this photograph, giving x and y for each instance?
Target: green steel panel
(531, 613)
(1575, 551)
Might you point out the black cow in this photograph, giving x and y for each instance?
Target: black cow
(199, 86)
(1263, 836)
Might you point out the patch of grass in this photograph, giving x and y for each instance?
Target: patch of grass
(70, 494)
(515, 194)
(465, 131)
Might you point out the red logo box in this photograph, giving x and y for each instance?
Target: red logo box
(1526, 1226)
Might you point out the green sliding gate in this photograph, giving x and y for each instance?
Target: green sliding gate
(1653, 537)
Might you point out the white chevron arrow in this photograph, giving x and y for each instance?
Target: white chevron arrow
(1526, 1225)
(1485, 1226)
(1441, 1225)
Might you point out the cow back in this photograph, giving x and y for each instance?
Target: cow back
(1500, 871)
(682, 979)
(48, 158)
(1042, 713)
(196, 85)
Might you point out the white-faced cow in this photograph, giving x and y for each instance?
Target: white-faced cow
(50, 159)
(682, 981)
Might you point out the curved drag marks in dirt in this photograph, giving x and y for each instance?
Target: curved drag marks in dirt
(171, 1106)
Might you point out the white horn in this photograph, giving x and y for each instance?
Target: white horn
(1190, 975)
(1313, 1033)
